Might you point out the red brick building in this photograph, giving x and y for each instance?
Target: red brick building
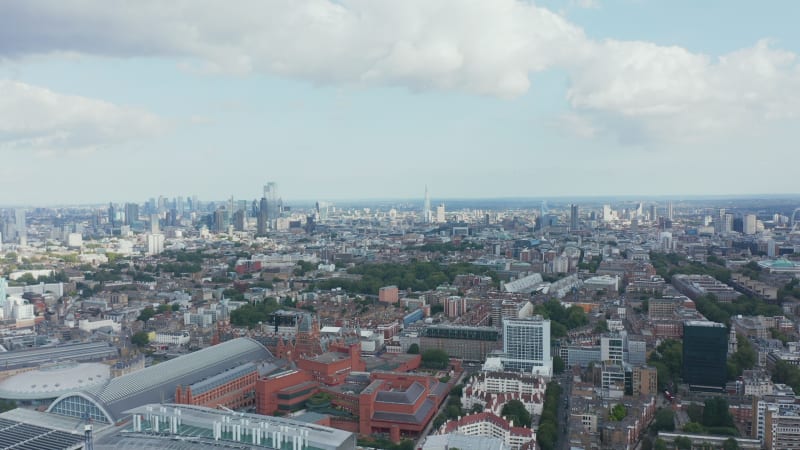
(284, 391)
(234, 388)
(389, 294)
(333, 366)
(399, 404)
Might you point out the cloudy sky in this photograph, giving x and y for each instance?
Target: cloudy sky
(105, 100)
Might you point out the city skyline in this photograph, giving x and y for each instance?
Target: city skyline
(373, 100)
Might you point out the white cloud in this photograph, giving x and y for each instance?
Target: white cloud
(586, 4)
(638, 90)
(47, 123)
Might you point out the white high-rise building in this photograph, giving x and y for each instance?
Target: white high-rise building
(749, 224)
(440, 216)
(21, 227)
(526, 345)
(155, 244)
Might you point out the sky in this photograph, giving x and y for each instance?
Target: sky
(107, 100)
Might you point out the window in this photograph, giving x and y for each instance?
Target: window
(76, 406)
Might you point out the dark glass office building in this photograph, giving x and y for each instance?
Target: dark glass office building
(705, 352)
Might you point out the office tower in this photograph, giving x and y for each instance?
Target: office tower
(155, 243)
(21, 226)
(705, 349)
(526, 345)
(606, 213)
(440, 216)
(750, 224)
(131, 213)
(612, 349)
(3, 287)
(273, 203)
(573, 217)
(669, 210)
(653, 212)
(220, 220)
(263, 218)
(154, 224)
(112, 215)
(238, 220)
(426, 207)
(727, 223)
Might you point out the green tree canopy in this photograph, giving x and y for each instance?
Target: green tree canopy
(435, 358)
(413, 349)
(515, 410)
(664, 421)
(683, 443)
(140, 339)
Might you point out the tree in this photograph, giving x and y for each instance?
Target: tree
(665, 420)
(618, 412)
(716, 413)
(413, 349)
(660, 444)
(695, 412)
(176, 307)
(476, 408)
(693, 427)
(683, 443)
(146, 314)
(435, 358)
(140, 339)
(515, 410)
(730, 444)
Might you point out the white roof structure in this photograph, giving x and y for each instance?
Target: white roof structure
(524, 285)
(107, 402)
(52, 381)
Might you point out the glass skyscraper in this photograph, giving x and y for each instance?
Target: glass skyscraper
(705, 351)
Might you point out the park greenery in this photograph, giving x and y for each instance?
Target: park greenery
(413, 349)
(667, 359)
(664, 420)
(716, 311)
(743, 359)
(617, 412)
(417, 276)
(547, 434)
(250, 315)
(515, 411)
(713, 417)
(787, 374)
(561, 319)
(435, 358)
(669, 264)
(140, 339)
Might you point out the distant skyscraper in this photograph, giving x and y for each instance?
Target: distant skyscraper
(607, 214)
(131, 213)
(669, 210)
(112, 215)
(750, 224)
(653, 212)
(21, 225)
(239, 220)
(426, 207)
(263, 217)
(573, 217)
(440, 215)
(155, 227)
(526, 345)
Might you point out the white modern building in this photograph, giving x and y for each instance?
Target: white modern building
(526, 346)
